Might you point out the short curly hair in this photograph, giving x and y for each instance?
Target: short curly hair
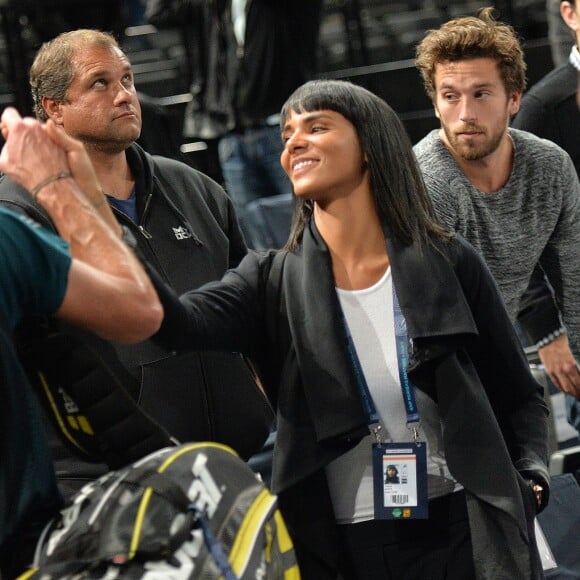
(52, 71)
(473, 37)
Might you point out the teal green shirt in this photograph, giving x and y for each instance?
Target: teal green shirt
(34, 266)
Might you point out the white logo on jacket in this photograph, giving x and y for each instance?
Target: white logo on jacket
(182, 233)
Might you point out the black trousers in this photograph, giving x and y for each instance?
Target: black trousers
(438, 548)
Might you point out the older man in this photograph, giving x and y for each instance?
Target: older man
(184, 225)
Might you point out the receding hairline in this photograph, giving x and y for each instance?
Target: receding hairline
(75, 40)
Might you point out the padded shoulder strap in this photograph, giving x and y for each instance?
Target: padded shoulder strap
(16, 198)
(89, 404)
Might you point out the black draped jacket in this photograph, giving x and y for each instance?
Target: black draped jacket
(282, 310)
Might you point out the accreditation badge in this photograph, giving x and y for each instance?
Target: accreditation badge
(400, 481)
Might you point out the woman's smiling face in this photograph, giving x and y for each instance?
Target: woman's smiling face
(322, 154)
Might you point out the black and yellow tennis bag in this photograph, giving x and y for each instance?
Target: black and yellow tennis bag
(195, 511)
(89, 397)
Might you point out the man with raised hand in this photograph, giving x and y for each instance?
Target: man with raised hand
(88, 277)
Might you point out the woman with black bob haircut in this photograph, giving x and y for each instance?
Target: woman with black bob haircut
(397, 187)
(430, 377)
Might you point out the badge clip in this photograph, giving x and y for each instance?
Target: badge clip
(414, 428)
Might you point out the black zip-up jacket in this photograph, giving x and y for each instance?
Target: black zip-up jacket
(189, 233)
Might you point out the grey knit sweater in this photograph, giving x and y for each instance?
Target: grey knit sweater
(534, 217)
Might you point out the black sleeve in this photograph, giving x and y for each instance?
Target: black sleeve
(515, 396)
(170, 334)
(171, 13)
(162, 13)
(539, 317)
(238, 247)
(226, 315)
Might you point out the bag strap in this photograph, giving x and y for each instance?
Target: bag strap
(164, 486)
(215, 548)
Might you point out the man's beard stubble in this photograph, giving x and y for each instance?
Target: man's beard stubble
(473, 151)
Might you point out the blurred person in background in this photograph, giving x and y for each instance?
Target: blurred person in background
(248, 56)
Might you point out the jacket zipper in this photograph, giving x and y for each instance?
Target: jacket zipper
(141, 227)
(145, 233)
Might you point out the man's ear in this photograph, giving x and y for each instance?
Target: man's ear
(570, 16)
(436, 110)
(53, 109)
(515, 100)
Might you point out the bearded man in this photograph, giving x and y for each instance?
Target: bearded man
(514, 196)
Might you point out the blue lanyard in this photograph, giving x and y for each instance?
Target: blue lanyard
(402, 359)
(368, 403)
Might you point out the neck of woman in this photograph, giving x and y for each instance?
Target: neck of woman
(356, 242)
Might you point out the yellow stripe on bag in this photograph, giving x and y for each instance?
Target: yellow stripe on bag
(249, 530)
(84, 425)
(139, 522)
(285, 544)
(192, 447)
(55, 412)
(292, 573)
(284, 541)
(149, 490)
(28, 574)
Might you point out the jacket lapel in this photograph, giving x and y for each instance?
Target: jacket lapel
(315, 320)
(429, 293)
